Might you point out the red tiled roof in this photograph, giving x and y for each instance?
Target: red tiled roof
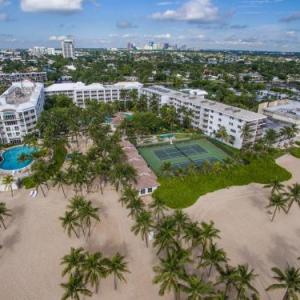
(145, 176)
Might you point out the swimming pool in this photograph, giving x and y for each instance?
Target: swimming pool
(11, 156)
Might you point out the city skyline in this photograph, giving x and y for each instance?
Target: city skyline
(272, 25)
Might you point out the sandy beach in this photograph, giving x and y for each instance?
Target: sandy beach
(35, 241)
(248, 235)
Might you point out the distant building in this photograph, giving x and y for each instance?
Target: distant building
(20, 108)
(251, 76)
(68, 49)
(80, 93)
(209, 116)
(16, 77)
(131, 46)
(286, 111)
(40, 51)
(270, 95)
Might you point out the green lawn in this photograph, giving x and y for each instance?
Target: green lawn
(184, 192)
(295, 151)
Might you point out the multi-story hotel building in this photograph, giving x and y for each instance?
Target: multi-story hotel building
(210, 116)
(20, 107)
(80, 93)
(15, 77)
(68, 49)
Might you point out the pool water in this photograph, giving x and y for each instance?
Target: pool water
(11, 158)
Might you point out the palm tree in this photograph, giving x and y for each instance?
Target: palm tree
(60, 179)
(166, 168)
(165, 237)
(246, 134)
(128, 195)
(196, 289)
(73, 261)
(8, 181)
(270, 137)
(122, 174)
(169, 274)
(75, 287)
(275, 185)
(117, 266)
(228, 276)
(4, 212)
(192, 234)
(136, 205)
(70, 223)
(208, 234)
(213, 257)
(278, 202)
(244, 281)
(181, 220)
(288, 280)
(143, 225)
(94, 268)
(222, 134)
(158, 208)
(86, 214)
(293, 195)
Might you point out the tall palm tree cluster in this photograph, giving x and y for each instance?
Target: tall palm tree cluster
(104, 162)
(86, 271)
(79, 216)
(205, 168)
(190, 261)
(283, 198)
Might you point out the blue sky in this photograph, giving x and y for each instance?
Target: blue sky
(207, 24)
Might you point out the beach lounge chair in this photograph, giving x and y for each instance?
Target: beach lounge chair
(31, 193)
(151, 235)
(34, 194)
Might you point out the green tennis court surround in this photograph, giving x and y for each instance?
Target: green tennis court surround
(181, 154)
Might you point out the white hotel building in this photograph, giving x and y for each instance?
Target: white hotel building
(209, 115)
(80, 93)
(20, 107)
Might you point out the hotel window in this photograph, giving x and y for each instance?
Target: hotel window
(143, 191)
(150, 190)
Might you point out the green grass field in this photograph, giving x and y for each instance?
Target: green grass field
(184, 192)
(181, 154)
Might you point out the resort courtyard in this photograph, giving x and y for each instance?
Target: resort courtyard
(35, 241)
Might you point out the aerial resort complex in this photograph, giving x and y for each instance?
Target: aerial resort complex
(149, 159)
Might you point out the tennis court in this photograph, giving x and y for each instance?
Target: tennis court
(181, 154)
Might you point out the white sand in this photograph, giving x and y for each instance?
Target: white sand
(34, 241)
(248, 235)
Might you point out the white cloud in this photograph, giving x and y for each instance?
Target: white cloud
(199, 11)
(158, 36)
(291, 33)
(51, 5)
(57, 37)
